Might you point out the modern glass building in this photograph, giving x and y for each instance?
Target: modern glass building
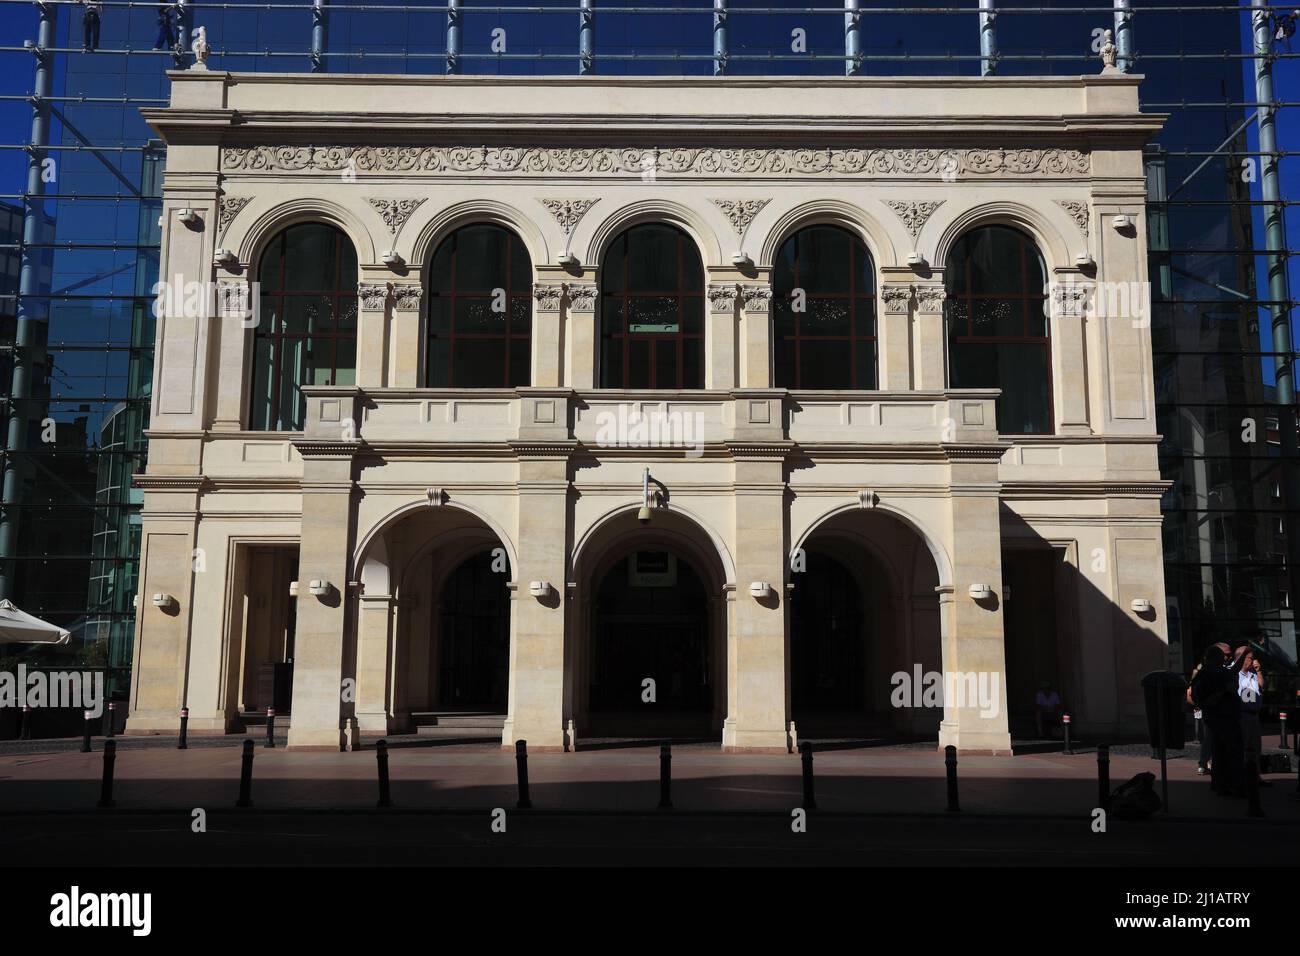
(78, 328)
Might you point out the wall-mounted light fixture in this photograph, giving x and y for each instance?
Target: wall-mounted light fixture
(224, 257)
(189, 216)
(540, 589)
(319, 587)
(1122, 222)
(1140, 605)
(1085, 261)
(760, 590)
(741, 260)
(567, 260)
(915, 260)
(293, 589)
(643, 515)
(392, 259)
(981, 592)
(163, 600)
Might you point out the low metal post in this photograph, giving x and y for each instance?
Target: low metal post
(381, 758)
(1065, 728)
(806, 758)
(270, 727)
(106, 784)
(521, 768)
(665, 777)
(950, 761)
(85, 732)
(183, 743)
(1103, 776)
(246, 776)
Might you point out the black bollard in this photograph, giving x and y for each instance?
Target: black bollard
(1281, 733)
(1253, 809)
(246, 777)
(950, 760)
(112, 731)
(184, 743)
(1103, 776)
(270, 727)
(85, 732)
(25, 727)
(106, 785)
(806, 758)
(665, 777)
(1065, 728)
(381, 758)
(521, 765)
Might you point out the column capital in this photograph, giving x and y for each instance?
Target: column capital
(373, 296)
(406, 296)
(582, 296)
(548, 295)
(757, 296)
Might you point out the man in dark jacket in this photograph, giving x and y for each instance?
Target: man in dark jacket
(1215, 692)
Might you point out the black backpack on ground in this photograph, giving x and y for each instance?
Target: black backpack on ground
(1135, 798)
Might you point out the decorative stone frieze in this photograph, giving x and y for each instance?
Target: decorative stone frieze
(568, 212)
(681, 160)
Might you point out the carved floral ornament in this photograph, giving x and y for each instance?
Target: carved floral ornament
(1078, 211)
(406, 297)
(395, 212)
(1070, 298)
(632, 161)
(722, 298)
(896, 298)
(228, 207)
(549, 295)
(372, 295)
(740, 212)
(568, 212)
(913, 215)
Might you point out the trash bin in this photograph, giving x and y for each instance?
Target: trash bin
(1166, 699)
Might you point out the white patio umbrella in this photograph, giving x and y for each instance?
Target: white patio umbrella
(19, 627)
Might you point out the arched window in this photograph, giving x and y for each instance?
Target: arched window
(997, 325)
(307, 330)
(480, 310)
(824, 311)
(652, 311)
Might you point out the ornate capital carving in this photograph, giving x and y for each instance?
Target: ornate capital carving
(395, 212)
(1078, 212)
(372, 295)
(929, 298)
(582, 296)
(758, 298)
(740, 212)
(233, 298)
(548, 295)
(568, 212)
(896, 298)
(914, 214)
(722, 298)
(228, 207)
(1070, 298)
(406, 297)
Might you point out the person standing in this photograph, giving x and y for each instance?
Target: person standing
(90, 16)
(1250, 689)
(166, 28)
(1202, 729)
(1215, 692)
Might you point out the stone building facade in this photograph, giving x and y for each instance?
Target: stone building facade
(650, 406)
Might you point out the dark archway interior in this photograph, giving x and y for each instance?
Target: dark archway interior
(474, 652)
(829, 647)
(651, 621)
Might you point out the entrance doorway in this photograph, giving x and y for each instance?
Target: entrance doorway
(652, 660)
(828, 643)
(474, 637)
(270, 620)
(1031, 633)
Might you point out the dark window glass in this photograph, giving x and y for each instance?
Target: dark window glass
(824, 311)
(652, 295)
(997, 325)
(307, 330)
(480, 310)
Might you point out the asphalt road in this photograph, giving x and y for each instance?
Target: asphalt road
(262, 838)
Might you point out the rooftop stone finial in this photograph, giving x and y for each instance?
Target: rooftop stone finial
(1108, 52)
(201, 49)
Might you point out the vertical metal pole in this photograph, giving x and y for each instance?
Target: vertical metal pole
(852, 39)
(453, 37)
(1276, 245)
(318, 36)
(719, 37)
(30, 307)
(1123, 36)
(586, 38)
(182, 33)
(988, 38)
